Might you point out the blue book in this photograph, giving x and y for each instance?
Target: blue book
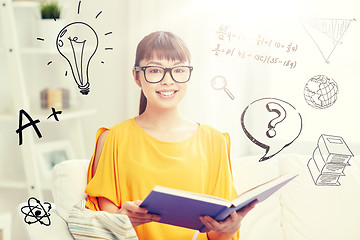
(183, 209)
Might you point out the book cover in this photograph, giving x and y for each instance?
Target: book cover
(333, 149)
(182, 208)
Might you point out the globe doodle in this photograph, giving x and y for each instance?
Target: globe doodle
(320, 92)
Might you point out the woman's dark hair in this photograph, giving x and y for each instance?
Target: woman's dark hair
(165, 45)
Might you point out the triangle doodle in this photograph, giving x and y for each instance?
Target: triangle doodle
(326, 33)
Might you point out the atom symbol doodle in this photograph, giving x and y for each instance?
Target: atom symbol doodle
(35, 212)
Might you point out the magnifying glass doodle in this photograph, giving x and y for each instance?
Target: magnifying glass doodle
(219, 83)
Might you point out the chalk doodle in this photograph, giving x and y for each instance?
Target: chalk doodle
(227, 41)
(262, 58)
(278, 125)
(321, 92)
(78, 42)
(281, 115)
(329, 160)
(224, 33)
(219, 83)
(54, 113)
(32, 123)
(83, 41)
(36, 212)
(326, 33)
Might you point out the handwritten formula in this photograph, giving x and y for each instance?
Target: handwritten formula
(228, 45)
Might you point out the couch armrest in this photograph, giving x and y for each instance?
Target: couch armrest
(57, 229)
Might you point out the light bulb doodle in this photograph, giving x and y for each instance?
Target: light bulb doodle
(78, 42)
(261, 131)
(219, 83)
(83, 42)
(280, 111)
(36, 212)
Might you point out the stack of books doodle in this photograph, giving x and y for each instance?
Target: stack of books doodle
(329, 160)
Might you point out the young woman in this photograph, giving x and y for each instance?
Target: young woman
(161, 147)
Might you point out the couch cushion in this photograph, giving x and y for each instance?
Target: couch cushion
(320, 212)
(262, 222)
(68, 185)
(57, 230)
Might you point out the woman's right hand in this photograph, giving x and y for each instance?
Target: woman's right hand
(137, 214)
(132, 209)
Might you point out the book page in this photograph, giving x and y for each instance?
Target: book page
(265, 190)
(192, 195)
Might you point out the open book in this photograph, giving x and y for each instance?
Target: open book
(182, 208)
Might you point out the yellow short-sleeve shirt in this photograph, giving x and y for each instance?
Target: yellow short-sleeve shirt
(132, 162)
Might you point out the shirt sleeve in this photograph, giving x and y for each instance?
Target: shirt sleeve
(224, 186)
(105, 181)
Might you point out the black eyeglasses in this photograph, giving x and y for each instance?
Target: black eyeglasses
(155, 74)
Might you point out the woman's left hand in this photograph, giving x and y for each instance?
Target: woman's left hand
(231, 224)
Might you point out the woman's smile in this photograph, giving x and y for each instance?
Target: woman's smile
(167, 93)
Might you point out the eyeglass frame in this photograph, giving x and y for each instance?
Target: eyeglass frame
(139, 68)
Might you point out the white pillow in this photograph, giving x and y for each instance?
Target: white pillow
(262, 222)
(68, 185)
(320, 212)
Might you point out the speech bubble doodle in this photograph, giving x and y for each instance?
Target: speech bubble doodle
(272, 124)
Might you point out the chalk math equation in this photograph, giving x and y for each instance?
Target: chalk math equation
(227, 45)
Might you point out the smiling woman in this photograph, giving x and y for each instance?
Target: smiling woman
(161, 147)
(165, 46)
(161, 90)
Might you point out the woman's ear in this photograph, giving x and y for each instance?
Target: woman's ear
(136, 77)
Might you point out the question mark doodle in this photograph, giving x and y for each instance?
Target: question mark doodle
(262, 132)
(280, 111)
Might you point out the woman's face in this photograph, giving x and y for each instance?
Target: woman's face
(165, 94)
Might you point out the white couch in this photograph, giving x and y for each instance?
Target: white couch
(299, 211)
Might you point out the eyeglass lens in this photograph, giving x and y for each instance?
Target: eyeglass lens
(156, 74)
